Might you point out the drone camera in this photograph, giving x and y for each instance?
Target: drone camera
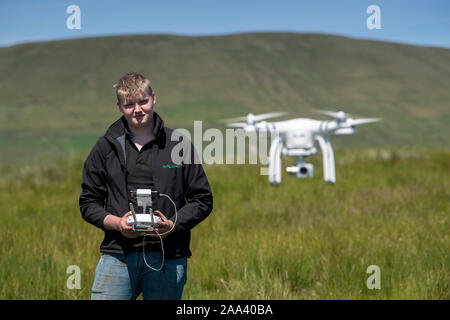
(306, 170)
(302, 170)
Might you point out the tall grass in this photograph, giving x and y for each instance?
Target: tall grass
(302, 240)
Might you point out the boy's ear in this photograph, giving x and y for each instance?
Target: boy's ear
(118, 106)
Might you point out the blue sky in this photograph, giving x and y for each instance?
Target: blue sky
(415, 22)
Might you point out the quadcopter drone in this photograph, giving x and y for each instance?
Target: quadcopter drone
(297, 138)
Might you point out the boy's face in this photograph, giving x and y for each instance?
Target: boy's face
(138, 111)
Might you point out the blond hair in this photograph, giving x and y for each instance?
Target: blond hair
(131, 86)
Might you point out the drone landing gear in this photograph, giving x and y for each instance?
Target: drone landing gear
(329, 173)
(275, 162)
(302, 169)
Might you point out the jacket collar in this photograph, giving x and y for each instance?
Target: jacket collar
(117, 132)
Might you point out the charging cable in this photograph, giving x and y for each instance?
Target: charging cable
(160, 238)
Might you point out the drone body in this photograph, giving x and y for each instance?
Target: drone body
(298, 138)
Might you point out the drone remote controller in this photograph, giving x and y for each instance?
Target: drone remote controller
(143, 221)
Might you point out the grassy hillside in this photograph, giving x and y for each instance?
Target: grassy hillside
(302, 240)
(58, 96)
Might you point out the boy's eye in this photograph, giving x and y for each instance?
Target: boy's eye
(143, 101)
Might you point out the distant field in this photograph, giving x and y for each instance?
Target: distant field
(302, 240)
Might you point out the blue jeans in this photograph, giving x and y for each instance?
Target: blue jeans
(124, 277)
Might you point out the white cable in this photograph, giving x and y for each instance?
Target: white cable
(162, 249)
(160, 238)
(176, 213)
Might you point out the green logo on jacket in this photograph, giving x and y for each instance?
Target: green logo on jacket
(171, 166)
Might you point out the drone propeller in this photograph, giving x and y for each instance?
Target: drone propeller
(355, 122)
(343, 116)
(251, 118)
(269, 115)
(237, 124)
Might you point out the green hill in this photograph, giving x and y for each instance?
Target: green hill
(58, 96)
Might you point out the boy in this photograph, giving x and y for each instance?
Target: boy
(135, 153)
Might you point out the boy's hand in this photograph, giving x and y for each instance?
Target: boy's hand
(126, 230)
(112, 222)
(166, 226)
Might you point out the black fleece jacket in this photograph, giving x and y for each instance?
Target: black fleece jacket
(104, 188)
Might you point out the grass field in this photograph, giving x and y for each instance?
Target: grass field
(302, 240)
